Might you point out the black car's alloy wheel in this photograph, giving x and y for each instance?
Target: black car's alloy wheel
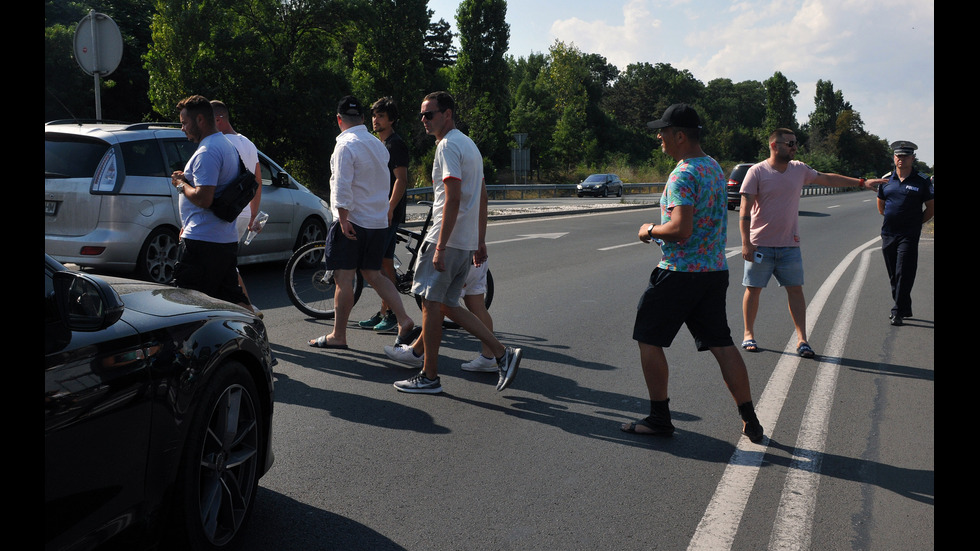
(220, 472)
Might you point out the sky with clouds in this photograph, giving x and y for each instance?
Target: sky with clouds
(880, 54)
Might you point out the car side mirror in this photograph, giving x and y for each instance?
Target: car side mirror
(86, 303)
(282, 180)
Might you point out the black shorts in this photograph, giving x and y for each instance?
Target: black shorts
(363, 253)
(675, 298)
(211, 268)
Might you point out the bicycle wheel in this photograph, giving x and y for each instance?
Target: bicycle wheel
(310, 286)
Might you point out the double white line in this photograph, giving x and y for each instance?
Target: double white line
(794, 517)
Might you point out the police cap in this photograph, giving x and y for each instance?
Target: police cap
(903, 147)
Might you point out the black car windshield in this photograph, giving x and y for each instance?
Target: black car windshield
(596, 178)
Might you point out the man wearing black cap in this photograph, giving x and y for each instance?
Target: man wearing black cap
(906, 202)
(690, 283)
(357, 238)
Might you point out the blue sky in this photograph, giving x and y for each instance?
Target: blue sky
(879, 54)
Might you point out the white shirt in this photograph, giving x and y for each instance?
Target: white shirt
(250, 157)
(458, 157)
(359, 179)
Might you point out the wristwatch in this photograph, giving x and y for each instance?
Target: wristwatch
(650, 230)
(180, 188)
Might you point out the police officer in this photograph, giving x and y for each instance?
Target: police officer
(906, 202)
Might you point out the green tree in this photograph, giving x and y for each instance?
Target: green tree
(780, 105)
(69, 91)
(565, 79)
(734, 114)
(480, 78)
(280, 67)
(829, 105)
(531, 110)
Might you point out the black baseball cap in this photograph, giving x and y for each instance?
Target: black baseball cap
(679, 114)
(349, 106)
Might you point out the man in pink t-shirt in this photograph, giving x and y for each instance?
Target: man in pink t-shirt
(769, 225)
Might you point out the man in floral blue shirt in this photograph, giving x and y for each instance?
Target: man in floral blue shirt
(690, 284)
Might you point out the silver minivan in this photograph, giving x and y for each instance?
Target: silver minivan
(109, 203)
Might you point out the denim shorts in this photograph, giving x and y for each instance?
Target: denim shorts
(786, 263)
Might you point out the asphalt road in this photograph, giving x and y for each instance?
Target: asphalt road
(848, 462)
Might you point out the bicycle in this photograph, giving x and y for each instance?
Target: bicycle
(311, 286)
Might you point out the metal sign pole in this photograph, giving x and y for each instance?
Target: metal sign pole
(96, 74)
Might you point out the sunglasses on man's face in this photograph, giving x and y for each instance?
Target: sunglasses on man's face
(789, 144)
(427, 115)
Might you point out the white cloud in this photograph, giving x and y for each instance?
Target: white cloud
(879, 54)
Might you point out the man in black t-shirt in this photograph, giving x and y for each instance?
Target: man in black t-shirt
(384, 113)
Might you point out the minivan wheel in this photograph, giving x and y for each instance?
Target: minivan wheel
(311, 230)
(158, 256)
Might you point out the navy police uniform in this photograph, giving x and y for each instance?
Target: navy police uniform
(903, 207)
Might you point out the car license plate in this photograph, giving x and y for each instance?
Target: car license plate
(50, 208)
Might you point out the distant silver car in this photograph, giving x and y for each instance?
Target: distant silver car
(600, 185)
(109, 203)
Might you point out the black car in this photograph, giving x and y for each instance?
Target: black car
(157, 414)
(600, 185)
(735, 184)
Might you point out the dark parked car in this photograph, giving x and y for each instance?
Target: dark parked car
(157, 414)
(735, 184)
(600, 185)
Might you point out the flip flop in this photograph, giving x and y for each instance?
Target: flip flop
(321, 342)
(805, 351)
(750, 345)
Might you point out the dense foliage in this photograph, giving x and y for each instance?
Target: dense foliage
(281, 65)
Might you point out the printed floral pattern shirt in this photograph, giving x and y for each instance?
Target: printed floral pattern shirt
(699, 182)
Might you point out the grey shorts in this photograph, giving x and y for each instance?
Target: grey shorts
(445, 287)
(786, 263)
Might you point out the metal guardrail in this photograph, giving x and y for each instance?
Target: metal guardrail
(535, 191)
(541, 191)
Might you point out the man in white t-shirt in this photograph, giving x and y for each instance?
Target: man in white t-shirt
(455, 241)
(769, 225)
(250, 157)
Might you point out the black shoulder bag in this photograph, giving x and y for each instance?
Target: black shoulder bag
(236, 195)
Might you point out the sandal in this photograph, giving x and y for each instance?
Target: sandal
(750, 345)
(654, 430)
(805, 351)
(321, 342)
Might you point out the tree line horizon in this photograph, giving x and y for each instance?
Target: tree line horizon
(281, 66)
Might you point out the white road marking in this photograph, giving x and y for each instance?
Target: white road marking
(718, 526)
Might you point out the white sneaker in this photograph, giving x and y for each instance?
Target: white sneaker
(405, 354)
(481, 364)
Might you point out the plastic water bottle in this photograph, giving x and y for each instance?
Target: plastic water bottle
(259, 223)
